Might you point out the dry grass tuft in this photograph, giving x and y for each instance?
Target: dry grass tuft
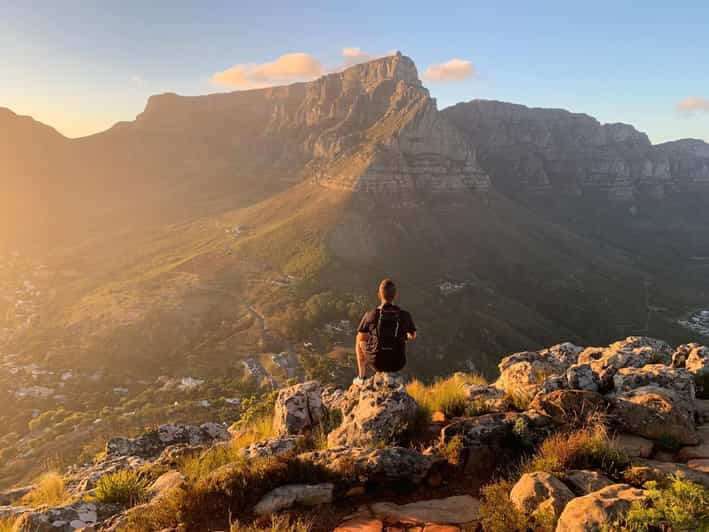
(124, 487)
(589, 447)
(49, 491)
(445, 395)
(279, 523)
(9, 524)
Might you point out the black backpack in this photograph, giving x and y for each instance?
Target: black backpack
(387, 341)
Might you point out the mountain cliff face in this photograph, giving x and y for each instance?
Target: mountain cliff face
(370, 127)
(543, 151)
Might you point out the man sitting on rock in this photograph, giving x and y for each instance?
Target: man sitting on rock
(382, 335)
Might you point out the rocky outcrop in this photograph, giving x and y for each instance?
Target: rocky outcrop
(598, 509)
(695, 359)
(678, 380)
(551, 151)
(385, 465)
(151, 444)
(66, 518)
(298, 408)
(374, 413)
(633, 352)
(526, 371)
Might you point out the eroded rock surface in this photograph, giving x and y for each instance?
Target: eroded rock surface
(540, 492)
(299, 408)
(374, 413)
(590, 513)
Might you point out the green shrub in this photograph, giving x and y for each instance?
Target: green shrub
(682, 505)
(497, 513)
(124, 487)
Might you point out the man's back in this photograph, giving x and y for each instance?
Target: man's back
(387, 328)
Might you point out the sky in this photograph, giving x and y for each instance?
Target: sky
(81, 66)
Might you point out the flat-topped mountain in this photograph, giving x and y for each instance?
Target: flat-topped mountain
(542, 151)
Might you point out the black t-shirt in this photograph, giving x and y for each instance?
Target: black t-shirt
(368, 325)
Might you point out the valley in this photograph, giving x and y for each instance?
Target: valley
(221, 246)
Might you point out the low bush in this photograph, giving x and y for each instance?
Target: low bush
(681, 505)
(589, 447)
(49, 491)
(234, 488)
(124, 487)
(497, 513)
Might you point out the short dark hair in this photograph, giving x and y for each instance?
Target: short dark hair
(387, 289)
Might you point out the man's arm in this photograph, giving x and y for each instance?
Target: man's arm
(360, 350)
(411, 332)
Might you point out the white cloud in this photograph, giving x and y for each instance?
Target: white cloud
(453, 70)
(354, 56)
(693, 104)
(287, 68)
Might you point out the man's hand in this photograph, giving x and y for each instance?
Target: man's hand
(411, 336)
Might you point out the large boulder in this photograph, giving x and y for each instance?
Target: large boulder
(695, 359)
(633, 352)
(66, 518)
(657, 414)
(569, 407)
(150, 444)
(298, 408)
(358, 465)
(540, 493)
(374, 413)
(526, 371)
(598, 510)
(677, 379)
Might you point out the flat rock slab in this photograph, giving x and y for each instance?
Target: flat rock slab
(634, 445)
(692, 452)
(361, 524)
(450, 511)
(701, 465)
(441, 528)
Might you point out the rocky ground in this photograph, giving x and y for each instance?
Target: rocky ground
(377, 463)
